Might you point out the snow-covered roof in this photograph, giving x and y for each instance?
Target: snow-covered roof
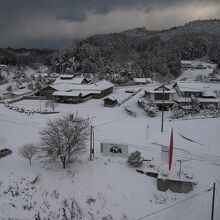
(183, 99)
(209, 94)
(69, 79)
(104, 84)
(209, 100)
(66, 76)
(140, 80)
(45, 74)
(111, 98)
(21, 91)
(155, 88)
(198, 86)
(186, 62)
(18, 92)
(54, 75)
(3, 88)
(99, 86)
(2, 66)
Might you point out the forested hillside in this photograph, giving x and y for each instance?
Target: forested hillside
(141, 52)
(23, 56)
(131, 53)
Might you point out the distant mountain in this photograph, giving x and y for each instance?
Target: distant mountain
(24, 56)
(141, 52)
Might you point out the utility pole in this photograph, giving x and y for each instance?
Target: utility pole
(93, 139)
(91, 156)
(213, 202)
(147, 131)
(162, 110)
(40, 103)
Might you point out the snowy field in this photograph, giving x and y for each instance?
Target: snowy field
(107, 188)
(193, 74)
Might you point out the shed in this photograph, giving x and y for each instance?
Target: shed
(110, 102)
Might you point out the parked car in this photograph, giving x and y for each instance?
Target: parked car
(5, 152)
(21, 110)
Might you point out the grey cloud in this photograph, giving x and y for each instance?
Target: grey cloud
(49, 23)
(73, 10)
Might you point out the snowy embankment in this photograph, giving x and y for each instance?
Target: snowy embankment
(107, 188)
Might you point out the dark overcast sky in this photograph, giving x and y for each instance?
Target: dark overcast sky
(52, 23)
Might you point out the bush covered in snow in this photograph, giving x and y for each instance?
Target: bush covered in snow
(135, 159)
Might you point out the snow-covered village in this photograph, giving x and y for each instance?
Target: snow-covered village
(110, 125)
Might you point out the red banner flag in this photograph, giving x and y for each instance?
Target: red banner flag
(171, 149)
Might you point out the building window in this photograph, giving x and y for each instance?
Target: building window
(159, 96)
(187, 94)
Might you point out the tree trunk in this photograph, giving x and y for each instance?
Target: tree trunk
(69, 155)
(63, 159)
(30, 161)
(69, 158)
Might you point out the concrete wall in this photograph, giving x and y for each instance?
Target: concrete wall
(174, 185)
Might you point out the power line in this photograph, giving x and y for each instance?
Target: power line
(109, 122)
(195, 156)
(119, 132)
(153, 213)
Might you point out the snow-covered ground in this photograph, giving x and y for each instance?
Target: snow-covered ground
(107, 188)
(193, 74)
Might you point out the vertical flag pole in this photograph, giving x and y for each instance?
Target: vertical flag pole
(171, 150)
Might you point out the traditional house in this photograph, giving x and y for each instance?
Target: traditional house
(161, 95)
(185, 64)
(110, 102)
(3, 67)
(81, 93)
(215, 78)
(76, 93)
(16, 93)
(62, 83)
(206, 93)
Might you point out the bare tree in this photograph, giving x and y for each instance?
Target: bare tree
(64, 137)
(27, 151)
(51, 104)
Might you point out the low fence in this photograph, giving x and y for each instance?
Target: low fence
(129, 97)
(26, 97)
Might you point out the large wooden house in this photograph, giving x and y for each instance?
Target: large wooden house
(161, 95)
(75, 93)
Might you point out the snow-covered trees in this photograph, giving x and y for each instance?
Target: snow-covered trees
(51, 104)
(135, 159)
(27, 151)
(64, 138)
